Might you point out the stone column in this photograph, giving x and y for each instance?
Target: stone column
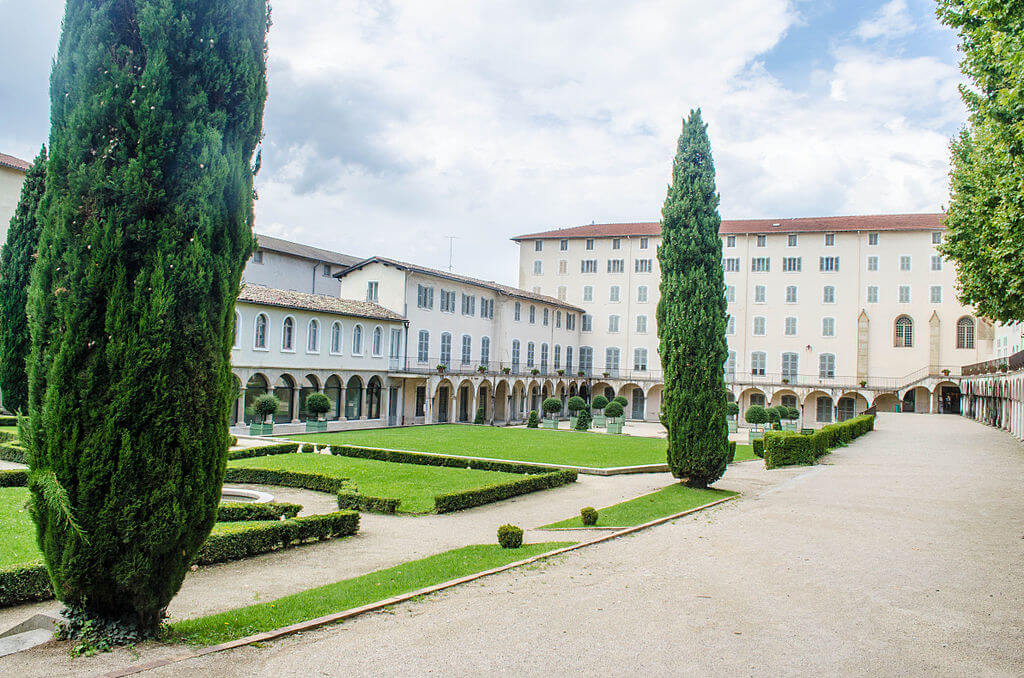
(295, 405)
(240, 407)
(366, 404)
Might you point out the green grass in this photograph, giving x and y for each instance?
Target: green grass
(744, 452)
(665, 502)
(17, 532)
(349, 593)
(414, 484)
(9, 429)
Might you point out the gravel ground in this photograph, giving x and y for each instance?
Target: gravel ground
(897, 556)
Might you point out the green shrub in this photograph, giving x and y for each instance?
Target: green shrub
(8, 437)
(576, 404)
(758, 444)
(792, 413)
(8, 420)
(24, 585)
(583, 420)
(280, 448)
(362, 502)
(510, 536)
(756, 415)
(318, 404)
(732, 409)
(613, 409)
(551, 406)
(266, 405)
(732, 452)
(532, 422)
(308, 447)
(307, 481)
(621, 400)
(456, 501)
(785, 448)
(599, 402)
(237, 511)
(429, 459)
(14, 478)
(232, 441)
(480, 416)
(219, 548)
(13, 453)
(588, 515)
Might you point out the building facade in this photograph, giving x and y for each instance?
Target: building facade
(285, 265)
(12, 176)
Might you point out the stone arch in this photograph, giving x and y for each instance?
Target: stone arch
(287, 391)
(885, 402)
(335, 393)
(354, 397)
(374, 389)
(850, 404)
(654, 396)
(502, 393)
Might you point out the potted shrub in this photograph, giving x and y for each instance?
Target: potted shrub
(532, 421)
(535, 371)
(561, 373)
(863, 383)
(441, 369)
(625, 403)
(581, 373)
(482, 369)
(756, 415)
(479, 419)
(732, 411)
(575, 406)
(583, 420)
(598, 404)
(606, 374)
(1003, 367)
(792, 414)
(506, 370)
(945, 372)
(774, 418)
(785, 380)
(613, 416)
(551, 407)
(264, 407)
(317, 404)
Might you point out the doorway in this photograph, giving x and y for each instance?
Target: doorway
(638, 403)
(442, 404)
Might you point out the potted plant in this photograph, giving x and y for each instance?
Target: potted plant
(774, 417)
(613, 413)
(480, 416)
(1003, 367)
(576, 405)
(598, 404)
(732, 411)
(532, 421)
(317, 404)
(863, 383)
(551, 407)
(535, 371)
(785, 380)
(561, 373)
(583, 419)
(755, 415)
(945, 372)
(264, 407)
(625, 403)
(482, 369)
(506, 370)
(441, 369)
(606, 374)
(581, 373)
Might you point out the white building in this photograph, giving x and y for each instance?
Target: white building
(12, 176)
(286, 265)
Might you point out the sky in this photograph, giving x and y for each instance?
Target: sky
(392, 126)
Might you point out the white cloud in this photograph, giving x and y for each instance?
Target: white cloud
(892, 20)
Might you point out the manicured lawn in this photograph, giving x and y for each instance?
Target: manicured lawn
(665, 502)
(17, 533)
(9, 429)
(744, 452)
(349, 593)
(415, 485)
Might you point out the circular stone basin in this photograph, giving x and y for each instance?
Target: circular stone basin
(249, 496)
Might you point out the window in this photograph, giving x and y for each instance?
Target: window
(260, 333)
(759, 325)
(873, 263)
(372, 290)
(760, 294)
(325, 270)
(562, 292)
(642, 265)
(515, 355)
(613, 323)
(590, 243)
(423, 347)
(257, 257)
(468, 304)
(826, 366)
(568, 358)
(936, 262)
(757, 363)
(965, 332)
(486, 308)
(640, 359)
(762, 241)
(586, 359)
(730, 241)
(288, 334)
(538, 245)
(828, 327)
(936, 238)
(761, 264)
(517, 311)
(467, 349)
(570, 321)
(538, 267)
(828, 264)
(641, 294)
(790, 327)
(377, 345)
(558, 357)
(830, 239)
(446, 349)
(904, 332)
(828, 294)
(447, 301)
(611, 359)
(533, 314)
(588, 266)
(904, 262)
(872, 294)
(730, 325)
(904, 294)
(424, 296)
(616, 265)
(563, 245)
(936, 294)
(313, 337)
(485, 351)
(790, 362)
(616, 244)
(872, 239)
(732, 265)
(791, 240)
(824, 409)
(791, 264)
(588, 293)
(563, 267)
(641, 324)
(730, 293)
(588, 323)
(791, 294)
(643, 243)
(336, 339)
(730, 365)
(547, 317)
(789, 400)
(544, 358)
(558, 319)
(530, 351)
(614, 294)
(357, 340)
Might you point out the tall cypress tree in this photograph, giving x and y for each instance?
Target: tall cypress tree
(692, 314)
(156, 109)
(15, 270)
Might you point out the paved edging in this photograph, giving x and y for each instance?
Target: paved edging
(311, 624)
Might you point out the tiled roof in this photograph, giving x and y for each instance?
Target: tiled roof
(507, 290)
(319, 303)
(14, 163)
(870, 222)
(305, 251)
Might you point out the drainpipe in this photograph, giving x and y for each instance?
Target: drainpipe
(313, 288)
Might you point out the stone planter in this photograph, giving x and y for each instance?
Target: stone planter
(549, 423)
(261, 429)
(573, 420)
(599, 420)
(732, 425)
(789, 425)
(754, 435)
(316, 426)
(614, 425)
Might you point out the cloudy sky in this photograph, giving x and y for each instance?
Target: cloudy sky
(392, 125)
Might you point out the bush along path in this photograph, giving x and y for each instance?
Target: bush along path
(786, 448)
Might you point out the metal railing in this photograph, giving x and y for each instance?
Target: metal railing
(1010, 363)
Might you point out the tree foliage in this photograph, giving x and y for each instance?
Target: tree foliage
(156, 110)
(692, 314)
(15, 272)
(986, 212)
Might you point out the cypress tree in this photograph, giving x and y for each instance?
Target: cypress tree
(692, 314)
(15, 270)
(156, 109)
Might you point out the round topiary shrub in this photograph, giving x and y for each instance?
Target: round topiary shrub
(588, 515)
(551, 406)
(532, 421)
(510, 536)
(621, 400)
(613, 409)
(479, 419)
(308, 447)
(792, 413)
(266, 405)
(318, 404)
(756, 415)
(576, 404)
(599, 402)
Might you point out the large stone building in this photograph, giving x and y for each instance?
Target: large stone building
(12, 176)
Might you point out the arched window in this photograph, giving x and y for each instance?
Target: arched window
(378, 341)
(446, 349)
(423, 347)
(357, 340)
(373, 390)
(965, 332)
(354, 398)
(260, 334)
(313, 336)
(336, 338)
(288, 334)
(904, 332)
(485, 351)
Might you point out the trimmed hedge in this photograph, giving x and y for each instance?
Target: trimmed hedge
(280, 448)
(308, 447)
(13, 453)
(783, 448)
(7, 437)
(232, 441)
(236, 511)
(14, 478)
(456, 501)
(362, 502)
(732, 452)
(8, 420)
(24, 585)
(219, 548)
(307, 481)
(758, 444)
(406, 457)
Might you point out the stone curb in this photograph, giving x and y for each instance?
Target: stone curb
(311, 624)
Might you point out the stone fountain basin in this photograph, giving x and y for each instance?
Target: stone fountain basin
(248, 496)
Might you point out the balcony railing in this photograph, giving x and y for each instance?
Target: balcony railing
(1010, 363)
